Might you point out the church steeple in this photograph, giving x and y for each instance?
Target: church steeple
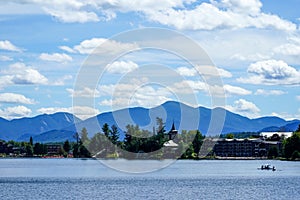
(173, 132)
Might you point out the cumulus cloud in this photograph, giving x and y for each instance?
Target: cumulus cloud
(121, 67)
(200, 86)
(69, 16)
(185, 71)
(269, 92)
(203, 70)
(56, 57)
(234, 90)
(245, 108)
(5, 58)
(15, 112)
(107, 46)
(82, 112)
(15, 98)
(61, 81)
(85, 92)
(272, 72)
(7, 45)
(203, 15)
(134, 93)
(19, 73)
(298, 98)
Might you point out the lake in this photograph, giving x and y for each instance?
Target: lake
(185, 179)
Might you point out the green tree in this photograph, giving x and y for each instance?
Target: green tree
(106, 130)
(295, 155)
(114, 136)
(29, 150)
(197, 142)
(39, 149)
(161, 126)
(230, 136)
(273, 152)
(291, 145)
(84, 136)
(31, 141)
(67, 146)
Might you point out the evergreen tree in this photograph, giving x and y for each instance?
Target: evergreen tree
(84, 136)
(66, 146)
(106, 130)
(114, 136)
(31, 141)
(197, 142)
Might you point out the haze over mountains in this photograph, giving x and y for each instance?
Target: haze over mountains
(61, 126)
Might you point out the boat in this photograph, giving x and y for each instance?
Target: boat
(267, 167)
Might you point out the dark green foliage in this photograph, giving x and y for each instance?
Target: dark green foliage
(114, 134)
(31, 141)
(295, 155)
(29, 150)
(273, 153)
(39, 149)
(197, 142)
(230, 136)
(67, 146)
(84, 136)
(106, 130)
(292, 144)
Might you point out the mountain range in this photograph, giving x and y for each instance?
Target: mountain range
(62, 126)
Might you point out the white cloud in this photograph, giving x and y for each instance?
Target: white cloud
(178, 13)
(286, 116)
(185, 71)
(298, 97)
(269, 92)
(61, 81)
(15, 112)
(82, 112)
(204, 70)
(19, 73)
(85, 92)
(67, 49)
(108, 46)
(215, 90)
(121, 67)
(227, 14)
(7, 45)
(69, 16)
(245, 108)
(134, 93)
(5, 58)
(234, 90)
(56, 57)
(15, 98)
(272, 72)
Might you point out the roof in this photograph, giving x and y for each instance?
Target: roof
(170, 143)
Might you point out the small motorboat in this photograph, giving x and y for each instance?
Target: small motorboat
(267, 167)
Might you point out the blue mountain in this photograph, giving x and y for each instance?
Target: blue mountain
(208, 121)
(22, 129)
(61, 126)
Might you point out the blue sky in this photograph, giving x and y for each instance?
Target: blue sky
(254, 45)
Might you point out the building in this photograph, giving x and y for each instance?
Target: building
(54, 149)
(172, 133)
(244, 147)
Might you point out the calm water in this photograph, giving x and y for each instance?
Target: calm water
(89, 179)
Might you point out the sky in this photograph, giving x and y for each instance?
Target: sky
(46, 46)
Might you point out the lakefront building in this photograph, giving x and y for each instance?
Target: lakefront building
(256, 147)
